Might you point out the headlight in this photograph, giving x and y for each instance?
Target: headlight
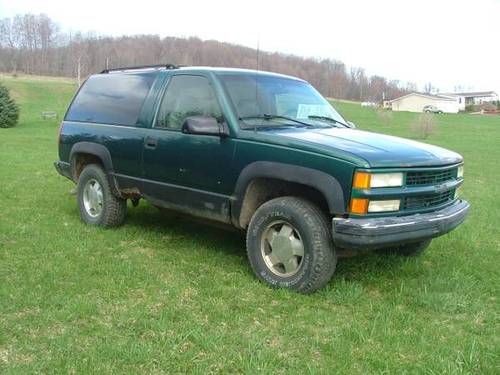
(460, 172)
(364, 180)
(386, 179)
(383, 206)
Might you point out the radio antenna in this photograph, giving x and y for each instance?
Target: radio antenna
(257, 77)
(258, 52)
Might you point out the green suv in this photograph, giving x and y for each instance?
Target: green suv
(263, 152)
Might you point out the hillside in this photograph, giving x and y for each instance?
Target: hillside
(33, 44)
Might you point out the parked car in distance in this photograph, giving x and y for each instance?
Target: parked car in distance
(432, 109)
(263, 152)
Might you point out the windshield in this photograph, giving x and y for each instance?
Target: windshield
(260, 99)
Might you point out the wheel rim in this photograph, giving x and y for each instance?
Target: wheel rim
(282, 248)
(93, 198)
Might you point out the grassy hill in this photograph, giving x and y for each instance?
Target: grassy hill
(163, 294)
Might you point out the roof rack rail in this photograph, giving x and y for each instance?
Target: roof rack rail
(158, 66)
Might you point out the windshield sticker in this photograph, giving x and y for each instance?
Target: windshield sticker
(306, 110)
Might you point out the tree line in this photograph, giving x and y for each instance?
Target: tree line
(34, 44)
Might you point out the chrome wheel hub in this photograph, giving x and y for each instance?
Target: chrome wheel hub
(282, 248)
(93, 198)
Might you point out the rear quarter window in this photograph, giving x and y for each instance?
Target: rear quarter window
(111, 99)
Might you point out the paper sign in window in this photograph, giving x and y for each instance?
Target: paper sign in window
(306, 110)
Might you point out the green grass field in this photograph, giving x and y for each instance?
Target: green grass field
(166, 295)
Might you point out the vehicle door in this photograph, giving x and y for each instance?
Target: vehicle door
(187, 171)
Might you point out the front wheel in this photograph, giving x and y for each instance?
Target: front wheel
(289, 245)
(98, 205)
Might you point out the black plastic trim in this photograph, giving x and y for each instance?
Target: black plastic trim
(326, 184)
(138, 67)
(93, 149)
(99, 151)
(195, 202)
(64, 169)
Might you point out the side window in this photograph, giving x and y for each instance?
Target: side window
(186, 96)
(111, 99)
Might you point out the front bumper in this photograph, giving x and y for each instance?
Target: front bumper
(387, 231)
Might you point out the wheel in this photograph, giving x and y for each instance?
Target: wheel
(97, 203)
(289, 245)
(407, 250)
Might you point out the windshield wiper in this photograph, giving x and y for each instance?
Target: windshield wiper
(268, 117)
(326, 118)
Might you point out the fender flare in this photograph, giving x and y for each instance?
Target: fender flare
(321, 181)
(93, 149)
(102, 153)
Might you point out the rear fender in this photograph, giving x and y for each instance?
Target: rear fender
(101, 153)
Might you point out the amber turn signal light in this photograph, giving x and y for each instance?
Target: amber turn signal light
(359, 206)
(361, 180)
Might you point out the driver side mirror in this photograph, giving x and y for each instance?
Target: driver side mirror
(204, 125)
(351, 124)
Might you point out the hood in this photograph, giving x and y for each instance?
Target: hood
(380, 151)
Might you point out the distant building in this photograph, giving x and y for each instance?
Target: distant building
(470, 98)
(415, 102)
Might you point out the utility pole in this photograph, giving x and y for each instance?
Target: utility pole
(78, 71)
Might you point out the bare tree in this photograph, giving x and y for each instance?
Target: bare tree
(429, 88)
(33, 44)
(9, 42)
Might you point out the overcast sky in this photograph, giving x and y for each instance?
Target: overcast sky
(445, 42)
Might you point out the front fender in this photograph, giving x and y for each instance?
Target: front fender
(321, 181)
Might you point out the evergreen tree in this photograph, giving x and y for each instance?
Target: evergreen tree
(9, 111)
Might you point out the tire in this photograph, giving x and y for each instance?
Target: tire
(407, 250)
(96, 201)
(294, 230)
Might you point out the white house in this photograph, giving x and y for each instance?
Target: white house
(468, 98)
(415, 102)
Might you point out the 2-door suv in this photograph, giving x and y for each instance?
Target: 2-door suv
(263, 152)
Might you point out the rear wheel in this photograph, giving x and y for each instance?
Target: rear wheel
(289, 245)
(407, 250)
(98, 205)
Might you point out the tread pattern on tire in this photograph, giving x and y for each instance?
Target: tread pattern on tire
(114, 208)
(325, 259)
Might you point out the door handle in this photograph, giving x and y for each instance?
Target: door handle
(150, 143)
